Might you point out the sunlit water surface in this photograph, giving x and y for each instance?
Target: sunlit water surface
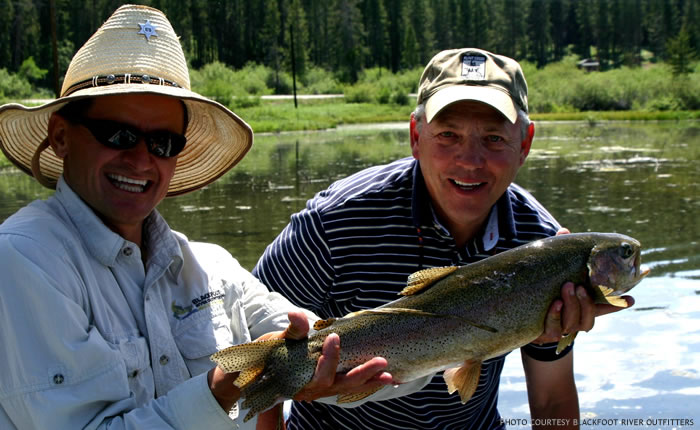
(640, 179)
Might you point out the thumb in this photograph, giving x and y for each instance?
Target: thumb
(298, 326)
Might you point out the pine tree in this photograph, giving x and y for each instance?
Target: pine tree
(297, 25)
(540, 33)
(376, 22)
(347, 35)
(680, 53)
(6, 19)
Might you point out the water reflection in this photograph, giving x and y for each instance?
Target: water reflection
(639, 179)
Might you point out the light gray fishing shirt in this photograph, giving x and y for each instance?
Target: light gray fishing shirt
(90, 338)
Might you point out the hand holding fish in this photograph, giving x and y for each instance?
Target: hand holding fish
(325, 381)
(575, 311)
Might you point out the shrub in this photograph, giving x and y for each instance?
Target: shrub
(359, 93)
(321, 81)
(12, 87)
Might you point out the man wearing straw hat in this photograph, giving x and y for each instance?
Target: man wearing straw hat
(108, 317)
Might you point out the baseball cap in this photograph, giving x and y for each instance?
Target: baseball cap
(473, 74)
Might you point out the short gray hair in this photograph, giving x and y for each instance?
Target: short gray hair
(522, 115)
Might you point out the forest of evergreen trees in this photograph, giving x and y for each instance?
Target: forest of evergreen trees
(347, 36)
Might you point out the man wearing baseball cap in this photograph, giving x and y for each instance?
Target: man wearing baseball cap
(452, 203)
(108, 318)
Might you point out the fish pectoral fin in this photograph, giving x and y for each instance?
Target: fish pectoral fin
(353, 397)
(245, 377)
(565, 341)
(321, 324)
(605, 295)
(422, 279)
(463, 379)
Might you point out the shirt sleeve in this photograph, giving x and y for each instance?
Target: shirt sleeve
(57, 370)
(297, 263)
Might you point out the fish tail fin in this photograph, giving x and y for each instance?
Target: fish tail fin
(464, 379)
(250, 360)
(566, 341)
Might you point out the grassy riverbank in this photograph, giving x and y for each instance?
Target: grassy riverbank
(314, 115)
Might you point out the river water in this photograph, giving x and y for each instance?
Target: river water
(637, 368)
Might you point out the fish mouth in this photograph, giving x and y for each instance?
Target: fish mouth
(642, 269)
(467, 186)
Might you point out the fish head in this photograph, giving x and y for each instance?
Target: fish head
(615, 264)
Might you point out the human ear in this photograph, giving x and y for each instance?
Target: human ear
(57, 135)
(413, 136)
(526, 144)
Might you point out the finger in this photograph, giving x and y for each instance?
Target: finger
(324, 375)
(328, 362)
(552, 324)
(563, 230)
(571, 311)
(587, 308)
(298, 326)
(371, 370)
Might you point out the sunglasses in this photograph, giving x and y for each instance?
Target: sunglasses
(117, 135)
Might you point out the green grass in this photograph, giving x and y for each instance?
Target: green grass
(315, 115)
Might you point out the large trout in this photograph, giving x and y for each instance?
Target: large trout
(449, 318)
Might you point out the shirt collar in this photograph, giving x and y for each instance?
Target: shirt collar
(104, 244)
(500, 222)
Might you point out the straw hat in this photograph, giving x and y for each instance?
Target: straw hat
(136, 51)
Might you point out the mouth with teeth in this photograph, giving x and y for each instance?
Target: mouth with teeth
(467, 186)
(128, 184)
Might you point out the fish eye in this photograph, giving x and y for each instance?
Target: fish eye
(626, 250)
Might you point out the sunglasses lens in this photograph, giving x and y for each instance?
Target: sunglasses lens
(165, 144)
(115, 135)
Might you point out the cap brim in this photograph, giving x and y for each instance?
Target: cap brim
(456, 93)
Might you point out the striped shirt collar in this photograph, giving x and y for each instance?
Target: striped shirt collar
(500, 222)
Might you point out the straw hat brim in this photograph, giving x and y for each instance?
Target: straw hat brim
(217, 138)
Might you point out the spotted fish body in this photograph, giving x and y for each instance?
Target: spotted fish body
(450, 318)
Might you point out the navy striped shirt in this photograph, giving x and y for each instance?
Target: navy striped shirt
(353, 248)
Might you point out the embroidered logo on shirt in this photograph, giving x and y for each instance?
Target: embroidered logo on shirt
(198, 303)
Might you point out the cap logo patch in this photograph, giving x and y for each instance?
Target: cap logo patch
(474, 67)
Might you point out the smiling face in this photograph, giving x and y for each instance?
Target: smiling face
(469, 154)
(121, 186)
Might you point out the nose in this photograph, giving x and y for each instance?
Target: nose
(469, 153)
(138, 157)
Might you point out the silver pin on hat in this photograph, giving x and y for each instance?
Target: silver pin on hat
(148, 30)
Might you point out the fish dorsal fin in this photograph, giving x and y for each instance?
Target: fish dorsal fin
(421, 280)
(463, 379)
(353, 397)
(321, 324)
(605, 295)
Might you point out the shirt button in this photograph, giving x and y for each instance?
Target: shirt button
(128, 251)
(58, 379)
(164, 360)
